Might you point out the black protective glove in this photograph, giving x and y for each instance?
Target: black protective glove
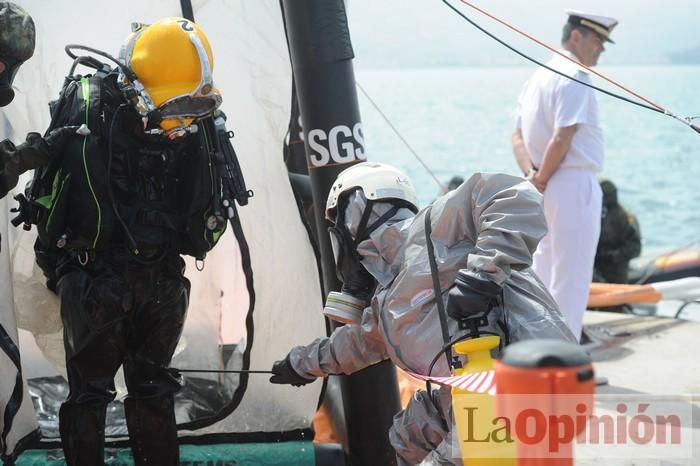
(57, 138)
(471, 297)
(285, 374)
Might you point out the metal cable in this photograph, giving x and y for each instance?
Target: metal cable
(217, 371)
(396, 131)
(651, 105)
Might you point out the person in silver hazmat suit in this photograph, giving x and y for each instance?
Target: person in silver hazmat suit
(484, 234)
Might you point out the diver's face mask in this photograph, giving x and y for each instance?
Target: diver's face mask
(176, 116)
(358, 284)
(7, 77)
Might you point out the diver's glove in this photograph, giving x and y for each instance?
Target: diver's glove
(471, 297)
(33, 153)
(285, 374)
(57, 138)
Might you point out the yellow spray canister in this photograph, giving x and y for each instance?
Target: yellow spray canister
(484, 441)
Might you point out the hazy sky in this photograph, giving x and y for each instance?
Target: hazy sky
(396, 33)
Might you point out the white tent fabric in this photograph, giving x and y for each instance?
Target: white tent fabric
(14, 120)
(253, 73)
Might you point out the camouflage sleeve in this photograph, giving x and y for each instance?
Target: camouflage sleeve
(631, 245)
(15, 160)
(620, 238)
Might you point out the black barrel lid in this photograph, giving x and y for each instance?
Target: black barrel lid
(545, 353)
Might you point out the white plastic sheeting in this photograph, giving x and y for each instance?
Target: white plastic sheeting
(253, 73)
(13, 121)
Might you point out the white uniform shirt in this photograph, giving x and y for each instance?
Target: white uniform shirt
(549, 101)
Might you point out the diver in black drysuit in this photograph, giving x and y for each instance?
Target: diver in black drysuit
(125, 204)
(120, 308)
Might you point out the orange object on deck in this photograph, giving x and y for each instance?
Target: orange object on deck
(408, 386)
(324, 432)
(612, 294)
(553, 379)
(323, 425)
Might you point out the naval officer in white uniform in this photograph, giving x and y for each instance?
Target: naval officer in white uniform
(558, 144)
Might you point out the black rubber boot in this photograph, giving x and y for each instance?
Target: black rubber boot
(152, 431)
(82, 433)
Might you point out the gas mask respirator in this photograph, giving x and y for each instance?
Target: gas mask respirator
(7, 94)
(358, 287)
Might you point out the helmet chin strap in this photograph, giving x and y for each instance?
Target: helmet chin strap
(350, 242)
(363, 231)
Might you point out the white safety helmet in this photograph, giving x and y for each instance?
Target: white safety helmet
(378, 182)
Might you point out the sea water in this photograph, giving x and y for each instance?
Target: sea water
(460, 120)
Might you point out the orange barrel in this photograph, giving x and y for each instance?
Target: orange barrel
(545, 390)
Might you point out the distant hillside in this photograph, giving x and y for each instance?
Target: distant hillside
(686, 57)
(422, 33)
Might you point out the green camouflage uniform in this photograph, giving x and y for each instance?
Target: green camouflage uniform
(15, 160)
(620, 240)
(17, 40)
(17, 33)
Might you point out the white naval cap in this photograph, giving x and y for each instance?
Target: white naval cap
(603, 25)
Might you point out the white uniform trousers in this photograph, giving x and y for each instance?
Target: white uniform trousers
(564, 258)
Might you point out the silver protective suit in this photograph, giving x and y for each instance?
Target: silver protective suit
(489, 226)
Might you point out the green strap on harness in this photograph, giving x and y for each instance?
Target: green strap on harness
(85, 84)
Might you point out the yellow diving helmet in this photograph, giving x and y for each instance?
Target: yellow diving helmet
(173, 63)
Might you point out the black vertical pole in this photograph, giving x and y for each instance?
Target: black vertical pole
(321, 55)
(187, 11)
